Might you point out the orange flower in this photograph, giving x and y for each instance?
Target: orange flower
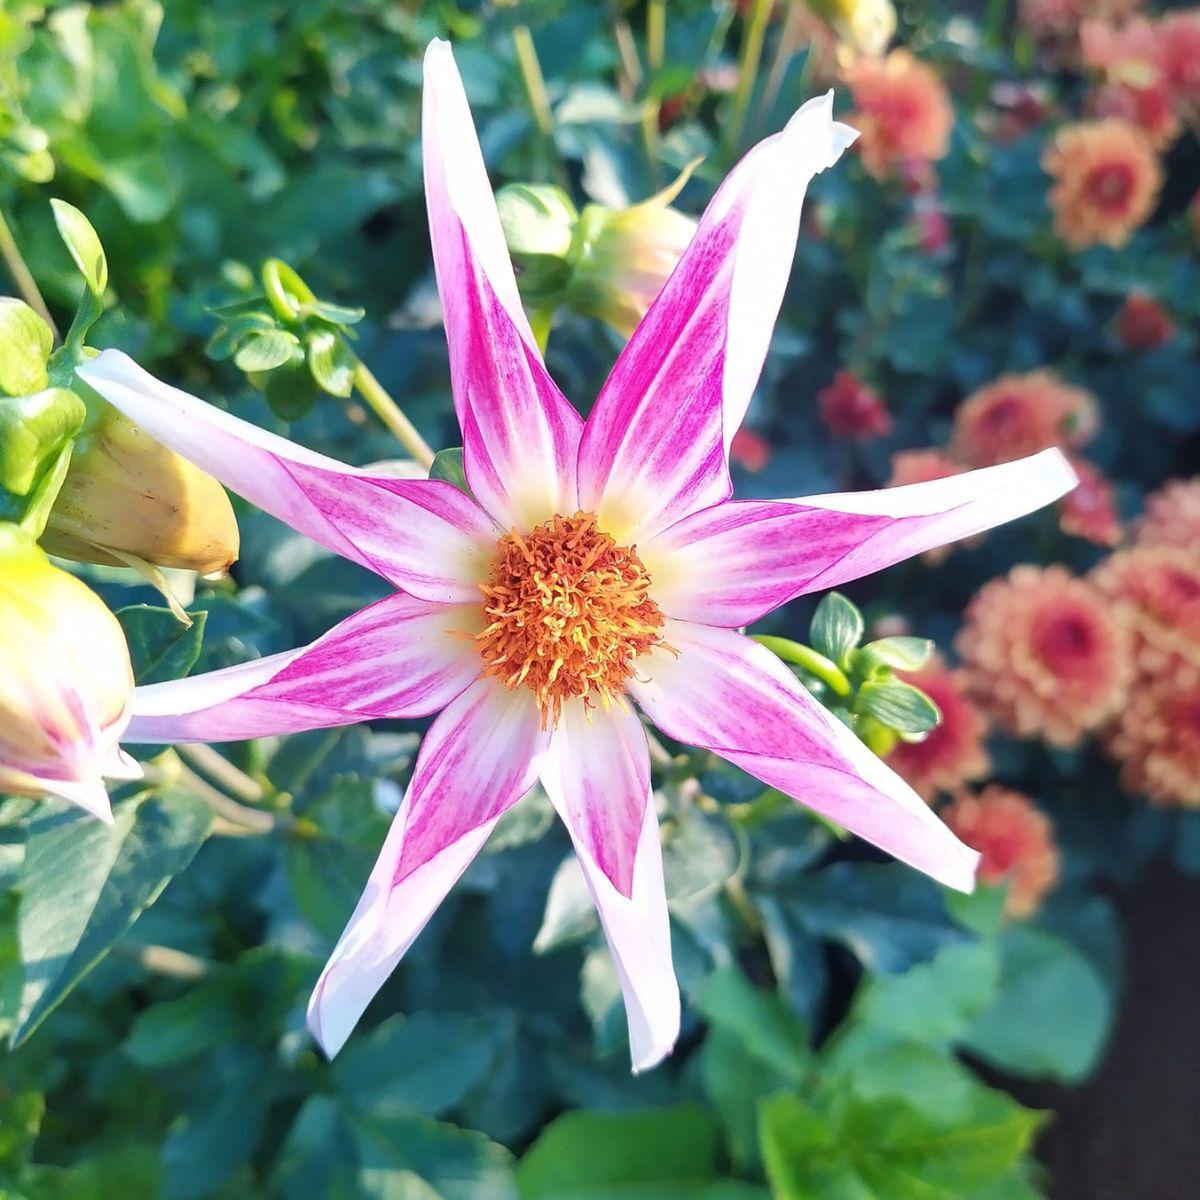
(1016, 842)
(1149, 108)
(1107, 180)
(1179, 51)
(1090, 510)
(1019, 415)
(1129, 52)
(1172, 516)
(1156, 736)
(902, 110)
(1143, 323)
(1157, 590)
(853, 410)
(1044, 655)
(953, 753)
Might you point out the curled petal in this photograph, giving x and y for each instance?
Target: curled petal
(399, 657)
(655, 447)
(520, 434)
(635, 918)
(480, 756)
(732, 696)
(735, 562)
(423, 535)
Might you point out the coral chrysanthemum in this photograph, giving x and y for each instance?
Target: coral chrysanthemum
(1171, 516)
(1019, 415)
(594, 566)
(1044, 655)
(920, 466)
(853, 410)
(1179, 58)
(1090, 511)
(1015, 840)
(1063, 18)
(1157, 589)
(1143, 323)
(901, 109)
(1107, 179)
(1156, 736)
(953, 753)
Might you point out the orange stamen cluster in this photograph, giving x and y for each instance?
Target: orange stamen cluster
(568, 611)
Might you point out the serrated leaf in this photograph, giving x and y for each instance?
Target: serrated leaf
(448, 465)
(331, 362)
(160, 646)
(83, 243)
(84, 883)
(837, 627)
(265, 351)
(898, 705)
(25, 344)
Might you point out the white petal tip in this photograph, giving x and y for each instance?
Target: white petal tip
(1056, 471)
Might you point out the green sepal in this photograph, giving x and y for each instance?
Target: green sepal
(837, 627)
(447, 465)
(25, 344)
(33, 431)
(899, 706)
(331, 362)
(895, 653)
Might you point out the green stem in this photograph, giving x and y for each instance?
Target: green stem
(540, 320)
(164, 960)
(390, 413)
(748, 61)
(218, 768)
(656, 40)
(22, 277)
(807, 659)
(244, 820)
(631, 67)
(535, 81)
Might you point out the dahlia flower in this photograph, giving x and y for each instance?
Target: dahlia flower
(1157, 591)
(1015, 840)
(1044, 654)
(1143, 323)
(66, 684)
(1020, 414)
(954, 752)
(901, 109)
(1179, 50)
(595, 566)
(1156, 735)
(1090, 511)
(1172, 516)
(853, 410)
(1107, 180)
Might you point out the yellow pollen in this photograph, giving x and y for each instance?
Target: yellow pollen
(567, 612)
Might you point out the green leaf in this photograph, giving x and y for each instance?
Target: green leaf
(448, 465)
(837, 627)
(898, 705)
(335, 314)
(81, 240)
(423, 1065)
(331, 362)
(84, 883)
(1052, 1013)
(267, 350)
(899, 653)
(662, 1154)
(25, 345)
(160, 646)
(760, 1021)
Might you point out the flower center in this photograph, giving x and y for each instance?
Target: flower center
(568, 611)
(1111, 185)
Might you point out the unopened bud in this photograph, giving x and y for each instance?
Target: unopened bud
(66, 684)
(127, 495)
(624, 256)
(539, 226)
(866, 26)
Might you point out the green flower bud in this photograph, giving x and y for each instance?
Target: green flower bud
(539, 227)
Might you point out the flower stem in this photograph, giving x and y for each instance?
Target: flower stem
(217, 767)
(240, 820)
(751, 55)
(631, 67)
(807, 659)
(164, 960)
(22, 277)
(656, 38)
(390, 413)
(535, 81)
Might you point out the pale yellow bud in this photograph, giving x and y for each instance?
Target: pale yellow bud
(66, 684)
(864, 26)
(128, 495)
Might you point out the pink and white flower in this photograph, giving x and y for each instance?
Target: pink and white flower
(599, 565)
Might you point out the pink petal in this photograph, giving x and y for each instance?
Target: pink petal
(400, 657)
(639, 937)
(520, 435)
(655, 447)
(423, 535)
(733, 696)
(480, 756)
(597, 773)
(733, 563)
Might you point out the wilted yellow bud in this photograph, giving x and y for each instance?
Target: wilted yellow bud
(625, 257)
(128, 495)
(66, 684)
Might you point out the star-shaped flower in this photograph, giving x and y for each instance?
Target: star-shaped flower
(600, 568)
